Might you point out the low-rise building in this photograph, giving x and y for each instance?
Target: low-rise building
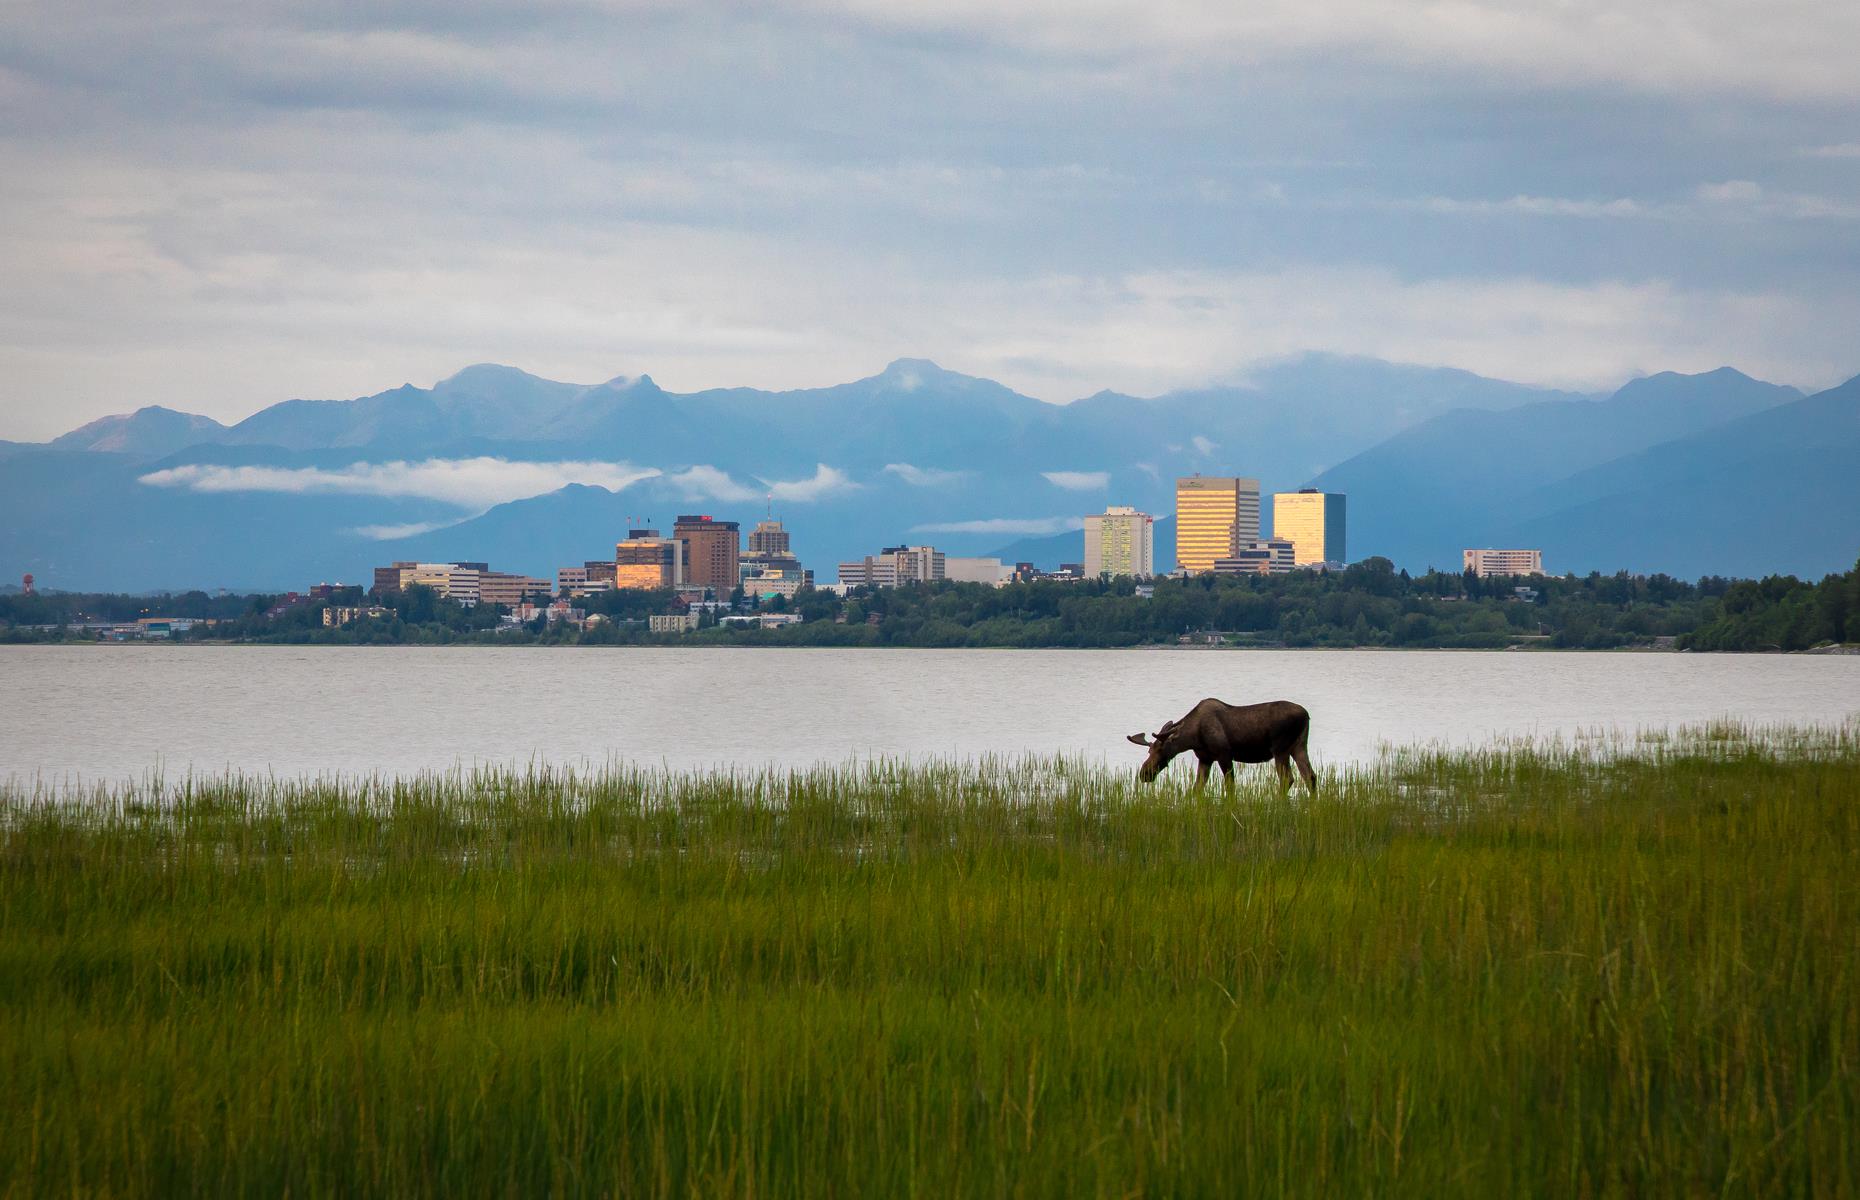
(1026, 572)
(554, 612)
(162, 627)
(339, 614)
(895, 566)
(760, 620)
(589, 579)
(1489, 563)
(672, 622)
(499, 587)
(286, 603)
(1261, 556)
(455, 581)
(467, 583)
(769, 584)
(990, 571)
(388, 578)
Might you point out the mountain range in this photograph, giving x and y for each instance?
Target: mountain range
(1689, 474)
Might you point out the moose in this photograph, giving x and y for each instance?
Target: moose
(1229, 733)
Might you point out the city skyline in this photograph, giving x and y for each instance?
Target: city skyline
(1119, 542)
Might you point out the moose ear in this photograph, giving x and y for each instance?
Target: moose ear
(1141, 739)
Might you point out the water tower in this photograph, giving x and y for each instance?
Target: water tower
(26, 584)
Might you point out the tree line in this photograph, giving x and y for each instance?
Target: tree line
(1368, 604)
(1782, 613)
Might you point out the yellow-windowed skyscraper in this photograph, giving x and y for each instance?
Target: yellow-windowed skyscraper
(1213, 514)
(1313, 520)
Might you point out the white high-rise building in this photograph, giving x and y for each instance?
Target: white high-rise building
(1120, 541)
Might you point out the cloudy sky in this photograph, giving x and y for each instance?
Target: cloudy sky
(217, 206)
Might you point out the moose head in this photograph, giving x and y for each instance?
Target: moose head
(1167, 743)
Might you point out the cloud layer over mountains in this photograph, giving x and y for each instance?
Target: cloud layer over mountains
(212, 206)
(532, 474)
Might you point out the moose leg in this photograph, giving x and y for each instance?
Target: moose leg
(1227, 771)
(1304, 768)
(1284, 767)
(1201, 774)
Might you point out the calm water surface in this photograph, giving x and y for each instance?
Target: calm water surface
(74, 713)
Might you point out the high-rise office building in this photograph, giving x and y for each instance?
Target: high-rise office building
(1487, 563)
(589, 579)
(648, 562)
(768, 538)
(711, 550)
(1313, 520)
(1120, 541)
(1214, 515)
(769, 566)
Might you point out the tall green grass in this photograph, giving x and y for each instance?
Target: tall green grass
(1611, 969)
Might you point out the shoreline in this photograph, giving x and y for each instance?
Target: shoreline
(1843, 650)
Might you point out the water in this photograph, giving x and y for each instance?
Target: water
(107, 713)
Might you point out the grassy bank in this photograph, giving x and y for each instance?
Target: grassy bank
(1513, 971)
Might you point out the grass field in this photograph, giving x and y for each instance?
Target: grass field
(1628, 970)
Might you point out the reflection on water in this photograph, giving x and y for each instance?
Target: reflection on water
(107, 712)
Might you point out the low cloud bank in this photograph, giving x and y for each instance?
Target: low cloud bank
(389, 533)
(477, 484)
(705, 482)
(469, 483)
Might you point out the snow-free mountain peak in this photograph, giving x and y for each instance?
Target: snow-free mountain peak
(915, 374)
(149, 432)
(481, 376)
